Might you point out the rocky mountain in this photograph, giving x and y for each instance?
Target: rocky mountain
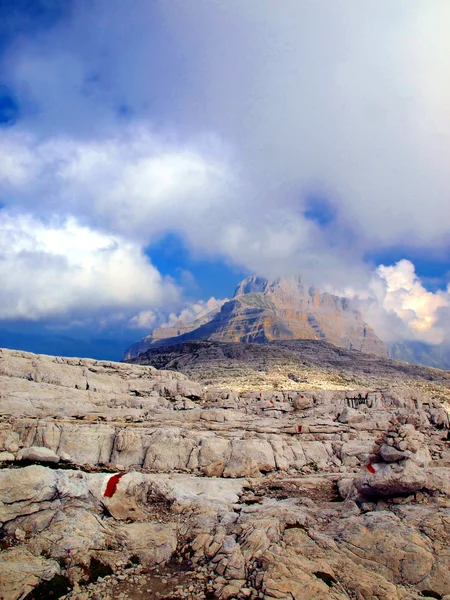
(123, 481)
(284, 309)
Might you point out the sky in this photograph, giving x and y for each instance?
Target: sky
(153, 154)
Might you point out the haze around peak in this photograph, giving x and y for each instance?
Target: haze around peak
(152, 158)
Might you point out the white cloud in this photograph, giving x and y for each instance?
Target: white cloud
(146, 319)
(134, 183)
(149, 320)
(347, 101)
(63, 269)
(398, 306)
(140, 186)
(406, 297)
(193, 311)
(347, 98)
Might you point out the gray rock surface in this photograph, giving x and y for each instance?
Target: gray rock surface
(231, 493)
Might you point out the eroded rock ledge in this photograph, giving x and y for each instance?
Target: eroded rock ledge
(323, 494)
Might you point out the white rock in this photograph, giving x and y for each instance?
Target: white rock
(6, 457)
(38, 453)
(390, 480)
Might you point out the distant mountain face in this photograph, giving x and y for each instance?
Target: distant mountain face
(177, 330)
(420, 353)
(264, 311)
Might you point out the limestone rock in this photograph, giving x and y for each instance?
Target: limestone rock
(390, 454)
(6, 457)
(244, 483)
(438, 479)
(391, 480)
(38, 454)
(21, 571)
(153, 543)
(359, 449)
(168, 450)
(350, 415)
(29, 492)
(249, 457)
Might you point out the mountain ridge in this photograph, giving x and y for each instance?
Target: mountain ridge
(283, 365)
(263, 310)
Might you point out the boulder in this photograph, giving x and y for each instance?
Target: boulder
(190, 389)
(6, 457)
(345, 486)
(26, 491)
(438, 479)
(168, 450)
(302, 402)
(38, 454)
(351, 415)
(359, 449)
(399, 478)
(390, 454)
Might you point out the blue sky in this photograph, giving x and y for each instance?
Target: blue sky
(201, 278)
(151, 158)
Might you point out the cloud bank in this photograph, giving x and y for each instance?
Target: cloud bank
(283, 138)
(402, 309)
(191, 312)
(67, 271)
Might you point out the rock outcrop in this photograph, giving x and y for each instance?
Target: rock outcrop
(119, 478)
(283, 309)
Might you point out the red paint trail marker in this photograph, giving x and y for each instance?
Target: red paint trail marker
(370, 468)
(299, 428)
(111, 486)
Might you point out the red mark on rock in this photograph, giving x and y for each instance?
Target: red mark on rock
(299, 428)
(370, 468)
(111, 486)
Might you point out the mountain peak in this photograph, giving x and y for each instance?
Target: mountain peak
(260, 285)
(252, 285)
(265, 310)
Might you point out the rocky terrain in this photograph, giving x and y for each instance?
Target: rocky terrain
(123, 481)
(308, 364)
(263, 311)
